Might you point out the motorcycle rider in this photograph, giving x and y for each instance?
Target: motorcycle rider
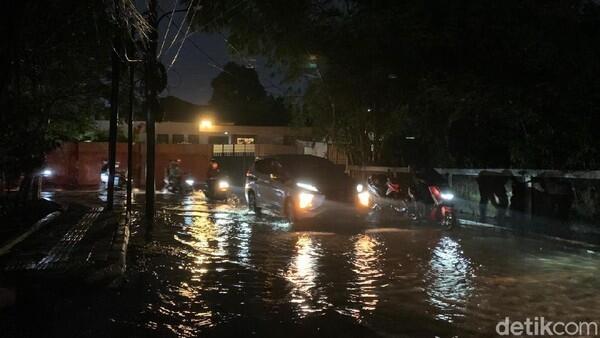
(213, 169)
(173, 175)
(212, 173)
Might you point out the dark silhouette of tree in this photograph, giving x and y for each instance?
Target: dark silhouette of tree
(524, 73)
(54, 71)
(239, 97)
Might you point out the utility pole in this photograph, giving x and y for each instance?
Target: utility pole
(114, 109)
(130, 134)
(151, 108)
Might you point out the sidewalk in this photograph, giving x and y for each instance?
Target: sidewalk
(83, 245)
(524, 227)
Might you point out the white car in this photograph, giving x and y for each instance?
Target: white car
(303, 186)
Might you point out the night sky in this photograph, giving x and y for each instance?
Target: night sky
(199, 61)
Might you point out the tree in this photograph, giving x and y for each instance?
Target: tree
(239, 97)
(53, 71)
(523, 74)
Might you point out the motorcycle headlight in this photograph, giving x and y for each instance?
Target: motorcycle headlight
(223, 185)
(364, 198)
(307, 186)
(359, 188)
(448, 196)
(47, 173)
(103, 177)
(305, 200)
(189, 182)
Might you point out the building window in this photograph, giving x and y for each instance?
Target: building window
(193, 139)
(162, 138)
(178, 138)
(244, 140)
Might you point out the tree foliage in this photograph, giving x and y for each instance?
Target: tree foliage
(239, 97)
(476, 83)
(54, 71)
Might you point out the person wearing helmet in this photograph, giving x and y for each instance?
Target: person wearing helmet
(213, 169)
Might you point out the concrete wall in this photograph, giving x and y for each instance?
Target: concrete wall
(79, 164)
(585, 184)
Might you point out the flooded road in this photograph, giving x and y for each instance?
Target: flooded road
(217, 270)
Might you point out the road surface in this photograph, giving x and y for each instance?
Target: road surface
(217, 270)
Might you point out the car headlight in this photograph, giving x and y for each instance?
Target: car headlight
(189, 182)
(448, 196)
(305, 200)
(223, 185)
(359, 188)
(47, 173)
(364, 198)
(307, 186)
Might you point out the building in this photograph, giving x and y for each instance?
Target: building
(206, 132)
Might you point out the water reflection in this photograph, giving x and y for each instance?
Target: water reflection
(243, 236)
(450, 277)
(205, 235)
(366, 264)
(302, 274)
(213, 266)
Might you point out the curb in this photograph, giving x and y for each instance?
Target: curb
(117, 257)
(38, 225)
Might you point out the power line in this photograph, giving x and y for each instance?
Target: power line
(194, 44)
(179, 30)
(162, 45)
(215, 63)
(184, 38)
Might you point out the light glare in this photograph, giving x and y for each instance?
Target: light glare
(447, 196)
(206, 124)
(305, 200)
(364, 198)
(307, 186)
(223, 185)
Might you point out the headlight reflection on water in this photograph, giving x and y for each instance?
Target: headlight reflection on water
(366, 261)
(450, 278)
(302, 272)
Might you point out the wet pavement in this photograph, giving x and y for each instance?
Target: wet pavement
(216, 270)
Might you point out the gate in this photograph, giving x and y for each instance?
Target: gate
(234, 159)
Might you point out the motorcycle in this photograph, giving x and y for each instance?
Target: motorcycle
(217, 188)
(433, 198)
(387, 193)
(179, 184)
(425, 196)
(120, 178)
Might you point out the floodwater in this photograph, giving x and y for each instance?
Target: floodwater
(216, 270)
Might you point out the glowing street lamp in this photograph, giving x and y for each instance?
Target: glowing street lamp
(205, 124)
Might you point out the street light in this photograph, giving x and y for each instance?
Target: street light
(205, 124)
